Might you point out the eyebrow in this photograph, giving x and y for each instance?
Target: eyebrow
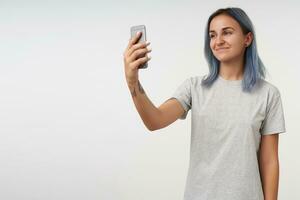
(222, 29)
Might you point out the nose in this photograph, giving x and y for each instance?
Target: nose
(219, 40)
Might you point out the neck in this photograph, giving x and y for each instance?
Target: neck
(232, 70)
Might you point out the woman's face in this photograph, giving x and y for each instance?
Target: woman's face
(227, 40)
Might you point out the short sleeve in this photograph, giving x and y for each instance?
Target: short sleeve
(183, 95)
(273, 122)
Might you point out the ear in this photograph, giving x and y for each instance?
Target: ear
(248, 38)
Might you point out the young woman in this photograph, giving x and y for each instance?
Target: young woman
(236, 114)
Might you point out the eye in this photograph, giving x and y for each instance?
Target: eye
(227, 33)
(211, 36)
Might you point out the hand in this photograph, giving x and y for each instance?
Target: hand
(135, 56)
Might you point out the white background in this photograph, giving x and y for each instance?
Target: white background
(68, 125)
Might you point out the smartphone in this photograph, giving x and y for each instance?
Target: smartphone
(133, 31)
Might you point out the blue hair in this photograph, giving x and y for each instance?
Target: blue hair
(254, 69)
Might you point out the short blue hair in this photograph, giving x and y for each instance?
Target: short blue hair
(254, 69)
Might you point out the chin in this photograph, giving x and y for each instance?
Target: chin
(223, 58)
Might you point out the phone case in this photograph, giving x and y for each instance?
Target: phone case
(133, 31)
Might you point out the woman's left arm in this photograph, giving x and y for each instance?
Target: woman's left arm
(269, 165)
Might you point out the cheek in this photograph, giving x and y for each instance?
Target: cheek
(238, 47)
(236, 42)
(211, 44)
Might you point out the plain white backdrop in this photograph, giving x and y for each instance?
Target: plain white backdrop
(68, 125)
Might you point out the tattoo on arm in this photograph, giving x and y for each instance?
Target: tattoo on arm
(141, 90)
(133, 93)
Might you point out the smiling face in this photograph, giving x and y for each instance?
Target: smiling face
(227, 40)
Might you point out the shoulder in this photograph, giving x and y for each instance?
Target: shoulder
(267, 88)
(195, 80)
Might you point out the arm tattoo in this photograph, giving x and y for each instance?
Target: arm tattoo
(141, 89)
(133, 93)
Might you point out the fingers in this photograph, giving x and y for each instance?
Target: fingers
(137, 46)
(141, 61)
(136, 51)
(133, 40)
(138, 54)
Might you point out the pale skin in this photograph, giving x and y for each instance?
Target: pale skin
(226, 33)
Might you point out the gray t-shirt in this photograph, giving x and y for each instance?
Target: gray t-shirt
(227, 125)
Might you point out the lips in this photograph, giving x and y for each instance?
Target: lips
(221, 49)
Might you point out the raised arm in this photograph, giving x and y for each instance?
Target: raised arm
(154, 118)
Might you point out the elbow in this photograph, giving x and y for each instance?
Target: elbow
(151, 129)
(151, 126)
(154, 124)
